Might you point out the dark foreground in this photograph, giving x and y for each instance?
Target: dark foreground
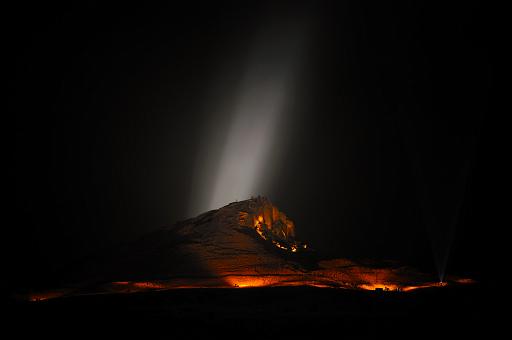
(270, 312)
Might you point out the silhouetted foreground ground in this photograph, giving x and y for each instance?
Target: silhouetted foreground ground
(269, 312)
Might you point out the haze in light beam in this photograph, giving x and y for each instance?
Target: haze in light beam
(241, 159)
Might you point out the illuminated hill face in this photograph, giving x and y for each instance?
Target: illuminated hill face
(271, 224)
(244, 244)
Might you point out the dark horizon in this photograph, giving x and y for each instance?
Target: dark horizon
(385, 150)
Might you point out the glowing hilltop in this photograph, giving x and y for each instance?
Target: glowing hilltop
(270, 223)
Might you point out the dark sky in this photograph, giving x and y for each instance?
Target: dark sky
(386, 155)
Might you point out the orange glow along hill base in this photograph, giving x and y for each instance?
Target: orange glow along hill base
(245, 244)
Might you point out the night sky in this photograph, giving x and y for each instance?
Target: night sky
(385, 150)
